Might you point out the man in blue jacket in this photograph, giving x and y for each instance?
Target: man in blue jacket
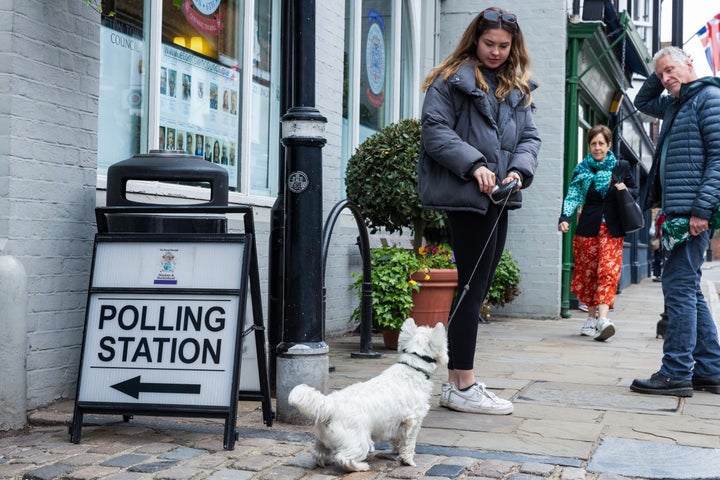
(685, 182)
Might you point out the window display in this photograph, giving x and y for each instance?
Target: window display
(194, 99)
(204, 106)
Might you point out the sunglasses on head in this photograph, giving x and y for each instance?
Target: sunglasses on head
(494, 16)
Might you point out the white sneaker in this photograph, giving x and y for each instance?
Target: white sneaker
(445, 393)
(605, 329)
(477, 399)
(588, 329)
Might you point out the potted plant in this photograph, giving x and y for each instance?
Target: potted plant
(438, 281)
(392, 294)
(397, 276)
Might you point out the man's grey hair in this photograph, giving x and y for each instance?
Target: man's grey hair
(677, 54)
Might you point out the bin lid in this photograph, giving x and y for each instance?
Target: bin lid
(165, 166)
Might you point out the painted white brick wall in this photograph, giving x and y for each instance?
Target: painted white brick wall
(533, 238)
(49, 61)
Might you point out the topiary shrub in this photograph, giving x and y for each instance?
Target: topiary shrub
(381, 178)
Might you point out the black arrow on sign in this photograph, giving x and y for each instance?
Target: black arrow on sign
(134, 387)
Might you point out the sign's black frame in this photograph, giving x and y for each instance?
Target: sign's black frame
(248, 271)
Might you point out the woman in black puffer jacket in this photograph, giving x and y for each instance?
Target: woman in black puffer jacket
(477, 132)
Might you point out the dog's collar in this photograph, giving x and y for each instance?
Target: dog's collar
(427, 375)
(424, 357)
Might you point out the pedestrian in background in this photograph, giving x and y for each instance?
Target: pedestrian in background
(477, 132)
(599, 236)
(685, 181)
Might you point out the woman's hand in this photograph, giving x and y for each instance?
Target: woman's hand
(486, 179)
(564, 227)
(620, 186)
(513, 176)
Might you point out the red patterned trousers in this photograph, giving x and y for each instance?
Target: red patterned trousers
(598, 263)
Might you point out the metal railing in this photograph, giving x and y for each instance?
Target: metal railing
(366, 292)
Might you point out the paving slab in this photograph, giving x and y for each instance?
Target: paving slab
(637, 458)
(596, 397)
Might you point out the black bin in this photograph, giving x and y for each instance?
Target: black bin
(166, 166)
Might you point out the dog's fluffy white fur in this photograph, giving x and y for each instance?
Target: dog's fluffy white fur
(390, 406)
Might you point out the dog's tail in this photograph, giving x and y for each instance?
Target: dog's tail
(310, 402)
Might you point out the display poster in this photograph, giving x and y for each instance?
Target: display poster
(199, 108)
(120, 101)
(198, 103)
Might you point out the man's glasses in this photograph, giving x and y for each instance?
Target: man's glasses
(493, 16)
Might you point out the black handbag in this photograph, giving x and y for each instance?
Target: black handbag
(631, 215)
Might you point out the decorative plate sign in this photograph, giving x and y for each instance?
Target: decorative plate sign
(298, 182)
(206, 7)
(203, 16)
(375, 59)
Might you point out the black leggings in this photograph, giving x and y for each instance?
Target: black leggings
(469, 232)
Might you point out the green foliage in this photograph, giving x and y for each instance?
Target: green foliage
(381, 178)
(392, 287)
(504, 288)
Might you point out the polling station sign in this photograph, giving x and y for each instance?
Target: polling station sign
(170, 349)
(163, 328)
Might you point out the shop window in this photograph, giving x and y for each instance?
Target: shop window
(196, 99)
(373, 57)
(376, 61)
(408, 91)
(122, 98)
(263, 129)
(200, 81)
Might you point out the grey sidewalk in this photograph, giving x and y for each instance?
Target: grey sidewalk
(574, 418)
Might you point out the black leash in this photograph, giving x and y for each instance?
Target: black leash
(466, 288)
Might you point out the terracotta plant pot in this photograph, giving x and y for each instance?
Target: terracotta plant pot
(432, 303)
(390, 338)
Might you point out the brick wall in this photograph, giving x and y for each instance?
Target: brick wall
(49, 56)
(533, 238)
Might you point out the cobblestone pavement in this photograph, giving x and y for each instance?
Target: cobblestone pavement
(574, 419)
(159, 450)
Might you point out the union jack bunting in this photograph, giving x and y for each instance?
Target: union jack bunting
(709, 36)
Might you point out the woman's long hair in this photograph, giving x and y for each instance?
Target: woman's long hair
(514, 73)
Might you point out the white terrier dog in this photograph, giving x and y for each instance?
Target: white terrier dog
(390, 406)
